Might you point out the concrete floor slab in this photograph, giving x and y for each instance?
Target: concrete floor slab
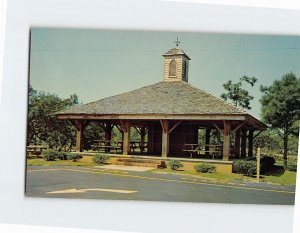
(126, 168)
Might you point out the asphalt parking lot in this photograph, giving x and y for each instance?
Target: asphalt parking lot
(101, 183)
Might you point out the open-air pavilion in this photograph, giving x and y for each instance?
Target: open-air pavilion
(168, 116)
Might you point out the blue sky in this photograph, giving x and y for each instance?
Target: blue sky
(99, 63)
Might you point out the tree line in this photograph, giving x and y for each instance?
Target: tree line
(280, 109)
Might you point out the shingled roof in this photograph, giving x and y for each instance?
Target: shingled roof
(176, 51)
(160, 98)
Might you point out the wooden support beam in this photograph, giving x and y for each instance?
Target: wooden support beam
(237, 143)
(198, 117)
(207, 141)
(126, 137)
(143, 134)
(138, 130)
(257, 134)
(250, 143)
(165, 138)
(102, 125)
(174, 126)
(119, 128)
(79, 126)
(217, 127)
(107, 136)
(163, 126)
(238, 127)
(123, 125)
(243, 143)
(150, 143)
(79, 135)
(226, 140)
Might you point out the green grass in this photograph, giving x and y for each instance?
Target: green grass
(292, 164)
(287, 178)
(85, 161)
(215, 176)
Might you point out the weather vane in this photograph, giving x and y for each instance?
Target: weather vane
(177, 42)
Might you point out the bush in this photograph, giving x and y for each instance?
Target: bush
(100, 158)
(175, 164)
(267, 164)
(205, 168)
(50, 155)
(74, 157)
(62, 155)
(244, 167)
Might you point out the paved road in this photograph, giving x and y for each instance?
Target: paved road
(99, 183)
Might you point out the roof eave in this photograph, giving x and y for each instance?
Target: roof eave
(153, 116)
(173, 55)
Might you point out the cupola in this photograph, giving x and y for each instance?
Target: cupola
(176, 64)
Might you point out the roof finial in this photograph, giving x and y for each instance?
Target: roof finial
(177, 42)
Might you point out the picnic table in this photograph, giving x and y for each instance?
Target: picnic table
(102, 145)
(213, 149)
(105, 146)
(191, 148)
(35, 150)
(138, 145)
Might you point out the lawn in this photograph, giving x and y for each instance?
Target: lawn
(215, 176)
(286, 178)
(85, 161)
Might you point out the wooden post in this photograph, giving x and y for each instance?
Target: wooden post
(207, 141)
(143, 134)
(243, 143)
(107, 136)
(126, 138)
(79, 135)
(226, 140)
(237, 143)
(150, 139)
(258, 164)
(250, 143)
(165, 138)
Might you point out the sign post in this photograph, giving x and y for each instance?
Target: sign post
(258, 164)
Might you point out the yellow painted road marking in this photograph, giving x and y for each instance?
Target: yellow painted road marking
(95, 189)
(160, 179)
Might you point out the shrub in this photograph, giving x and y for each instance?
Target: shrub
(62, 155)
(74, 157)
(205, 168)
(244, 167)
(100, 158)
(267, 164)
(49, 155)
(175, 164)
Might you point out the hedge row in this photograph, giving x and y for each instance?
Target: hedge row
(249, 167)
(51, 155)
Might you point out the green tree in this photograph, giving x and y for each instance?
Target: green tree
(238, 95)
(42, 124)
(92, 132)
(281, 107)
(268, 141)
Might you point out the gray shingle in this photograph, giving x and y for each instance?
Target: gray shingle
(161, 98)
(176, 51)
